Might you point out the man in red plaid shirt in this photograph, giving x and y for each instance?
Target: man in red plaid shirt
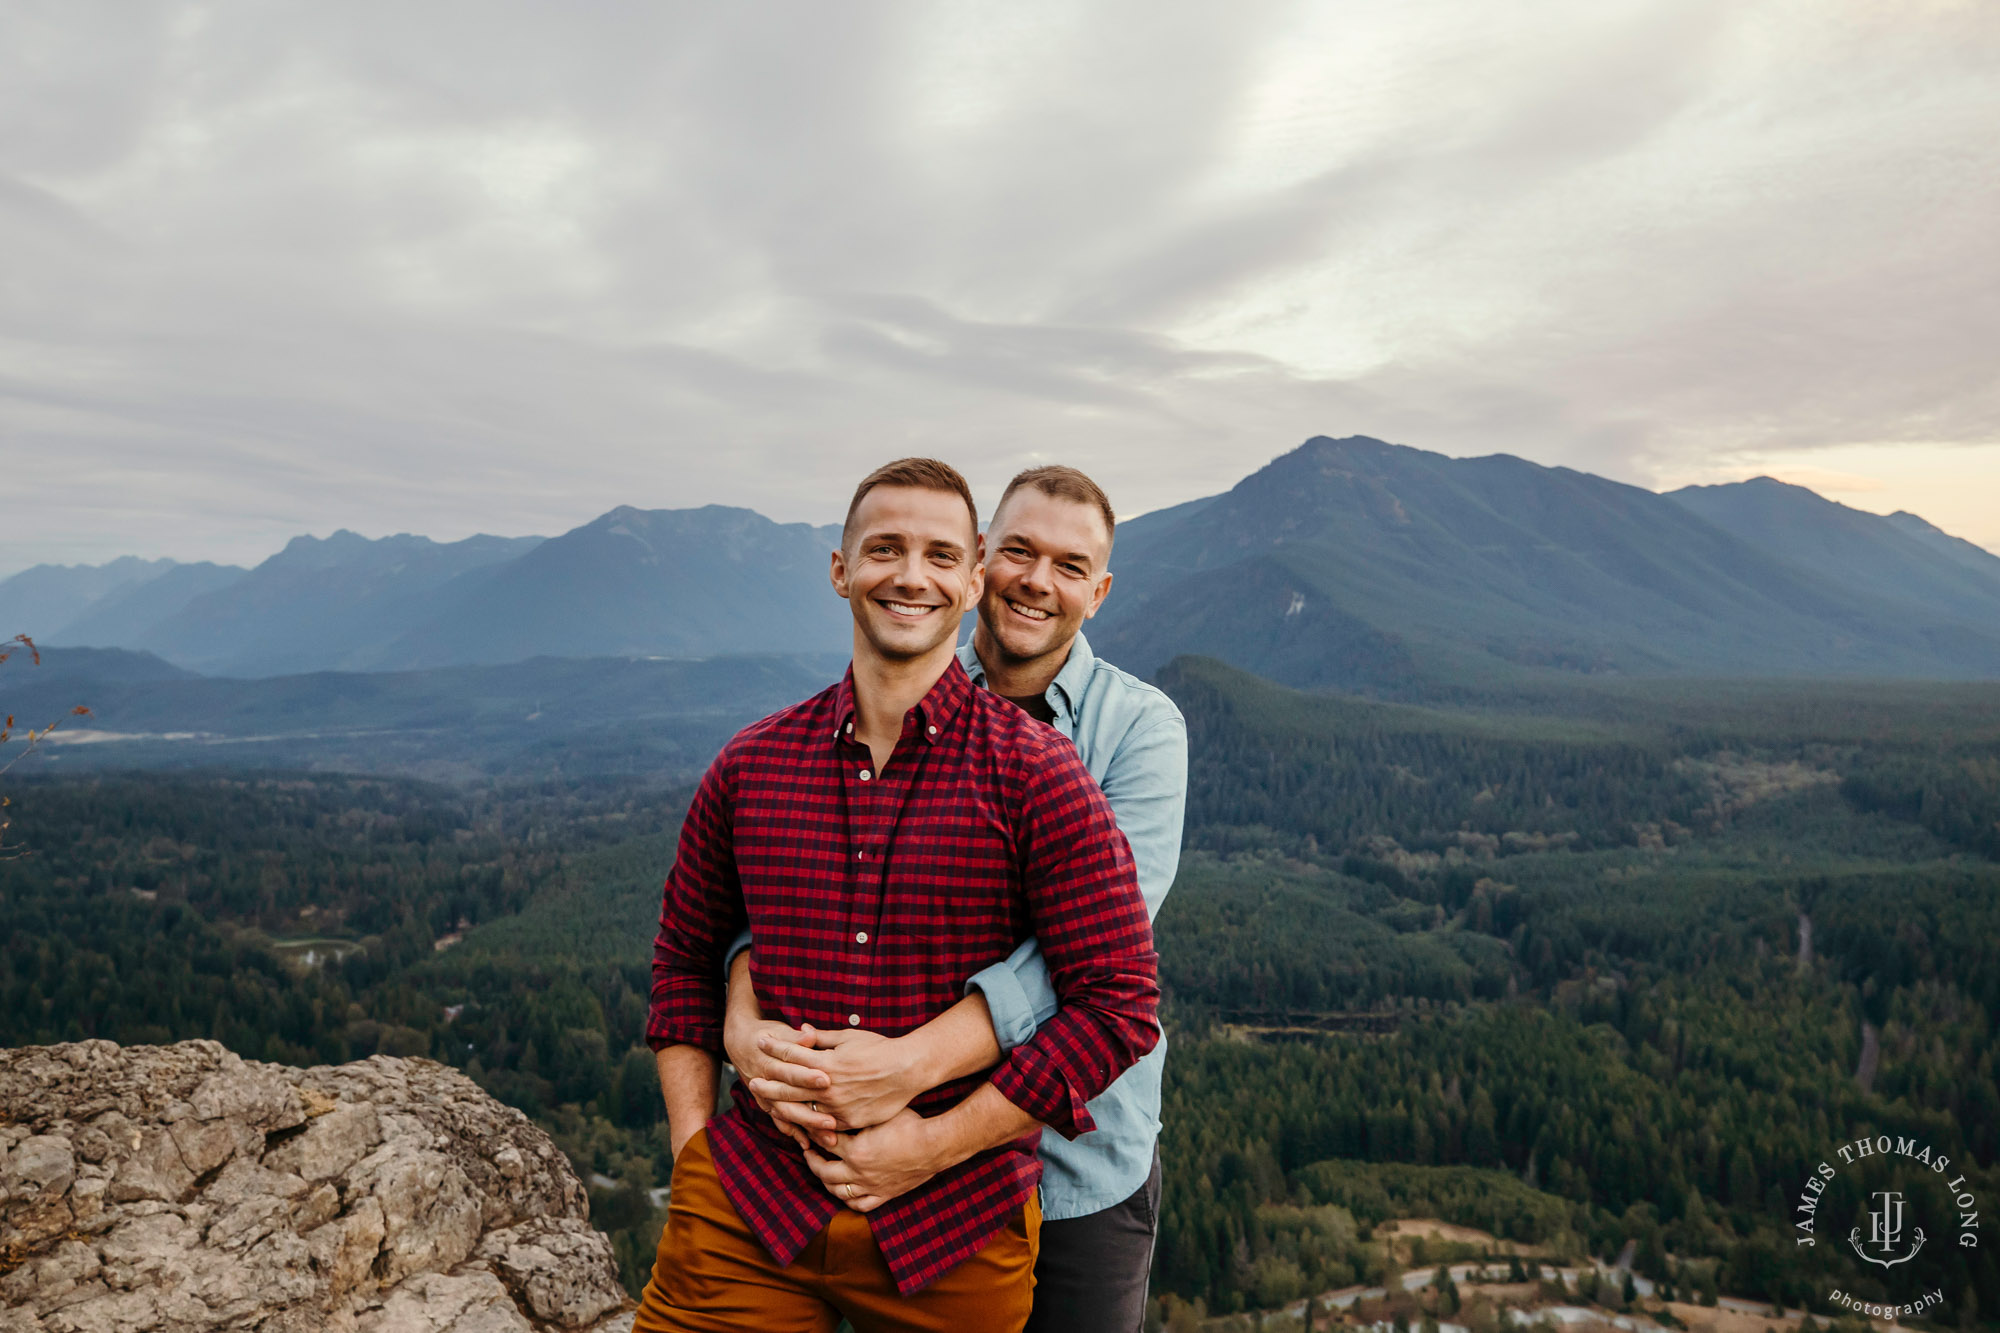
(884, 841)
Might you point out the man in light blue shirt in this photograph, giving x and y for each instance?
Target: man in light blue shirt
(1046, 553)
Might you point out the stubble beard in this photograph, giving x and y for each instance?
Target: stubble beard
(904, 650)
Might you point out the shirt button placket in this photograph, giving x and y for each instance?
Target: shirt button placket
(868, 802)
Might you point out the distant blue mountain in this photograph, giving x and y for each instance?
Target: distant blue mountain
(322, 604)
(638, 583)
(686, 583)
(133, 614)
(1952, 548)
(43, 601)
(1359, 564)
(1899, 558)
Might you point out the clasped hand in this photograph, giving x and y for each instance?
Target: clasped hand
(844, 1098)
(830, 1080)
(869, 1167)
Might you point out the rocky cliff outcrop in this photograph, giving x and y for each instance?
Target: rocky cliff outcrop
(184, 1188)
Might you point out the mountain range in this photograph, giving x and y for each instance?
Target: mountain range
(1356, 564)
(1348, 564)
(632, 583)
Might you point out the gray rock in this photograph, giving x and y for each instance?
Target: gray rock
(42, 1164)
(473, 1302)
(333, 1142)
(157, 1189)
(547, 1265)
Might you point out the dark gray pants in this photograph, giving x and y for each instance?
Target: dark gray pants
(1091, 1275)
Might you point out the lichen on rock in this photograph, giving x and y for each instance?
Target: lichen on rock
(182, 1187)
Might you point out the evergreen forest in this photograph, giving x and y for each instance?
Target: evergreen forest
(1606, 968)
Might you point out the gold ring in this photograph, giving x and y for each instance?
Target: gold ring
(815, 1107)
(850, 1191)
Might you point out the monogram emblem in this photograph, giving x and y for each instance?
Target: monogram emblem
(1885, 1231)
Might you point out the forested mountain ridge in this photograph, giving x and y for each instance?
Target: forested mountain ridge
(1358, 564)
(542, 717)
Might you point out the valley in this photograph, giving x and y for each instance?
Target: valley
(1540, 969)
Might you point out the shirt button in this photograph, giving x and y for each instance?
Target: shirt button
(861, 937)
(931, 730)
(865, 775)
(861, 856)
(854, 1020)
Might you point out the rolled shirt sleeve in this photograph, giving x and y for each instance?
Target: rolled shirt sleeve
(736, 947)
(701, 908)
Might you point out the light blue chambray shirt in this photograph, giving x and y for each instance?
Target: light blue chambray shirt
(1134, 742)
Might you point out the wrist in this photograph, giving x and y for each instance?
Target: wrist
(738, 1038)
(682, 1128)
(938, 1142)
(916, 1062)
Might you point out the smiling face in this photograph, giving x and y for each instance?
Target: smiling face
(909, 571)
(1045, 574)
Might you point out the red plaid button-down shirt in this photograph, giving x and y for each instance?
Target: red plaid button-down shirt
(871, 898)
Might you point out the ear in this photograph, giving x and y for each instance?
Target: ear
(838, 572)
(975, 585)
(1097, 596)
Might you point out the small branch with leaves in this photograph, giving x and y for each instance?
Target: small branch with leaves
(35, 736)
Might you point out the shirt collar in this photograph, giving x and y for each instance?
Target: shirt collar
(931, 718)
(1074, 677)
(1065, 692)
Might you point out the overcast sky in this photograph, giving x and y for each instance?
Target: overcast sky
(274, 268)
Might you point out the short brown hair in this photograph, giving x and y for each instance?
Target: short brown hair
(1064, 483)
(926, 474)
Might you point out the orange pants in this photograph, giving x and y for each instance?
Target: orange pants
(714, 1276)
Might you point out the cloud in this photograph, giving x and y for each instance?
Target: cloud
(283, 267)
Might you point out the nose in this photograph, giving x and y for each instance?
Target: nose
(1040, 576)
(911, 571)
